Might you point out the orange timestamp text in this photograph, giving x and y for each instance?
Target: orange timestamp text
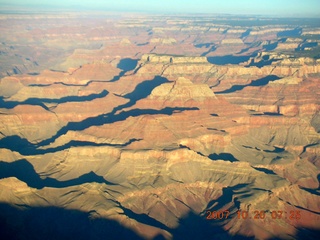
(241, 214)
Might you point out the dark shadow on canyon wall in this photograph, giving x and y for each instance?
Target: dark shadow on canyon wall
(33, 73)
(313, 191)
(24, 147)
(229, 59)
(307, 234)
(144, 218)
(246, 33)
(211, 49)
(270, 46)
(52, 223)
(229, 195)
(266, 114)
(290, 33)
(223, 156)
(110, 118)
(306, 44)
(41, 101)
(191, 225)
(16, 143)
(126, 65)
(264, 170)
(201, 45)
(265, 61)
(142, 90)
(255, 83)
(24, 171)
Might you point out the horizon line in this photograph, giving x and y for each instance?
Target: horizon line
(81, 9)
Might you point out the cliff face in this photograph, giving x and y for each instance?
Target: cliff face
(182, 88)
(143, 135)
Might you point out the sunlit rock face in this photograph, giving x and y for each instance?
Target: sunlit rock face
(144, 127)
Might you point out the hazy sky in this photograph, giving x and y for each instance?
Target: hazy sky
(294, 8)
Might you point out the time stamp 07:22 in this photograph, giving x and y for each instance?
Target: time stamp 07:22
(275, 214)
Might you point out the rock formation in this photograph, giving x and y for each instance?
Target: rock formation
(139, 127)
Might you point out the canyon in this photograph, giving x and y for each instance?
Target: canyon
(135, 126)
